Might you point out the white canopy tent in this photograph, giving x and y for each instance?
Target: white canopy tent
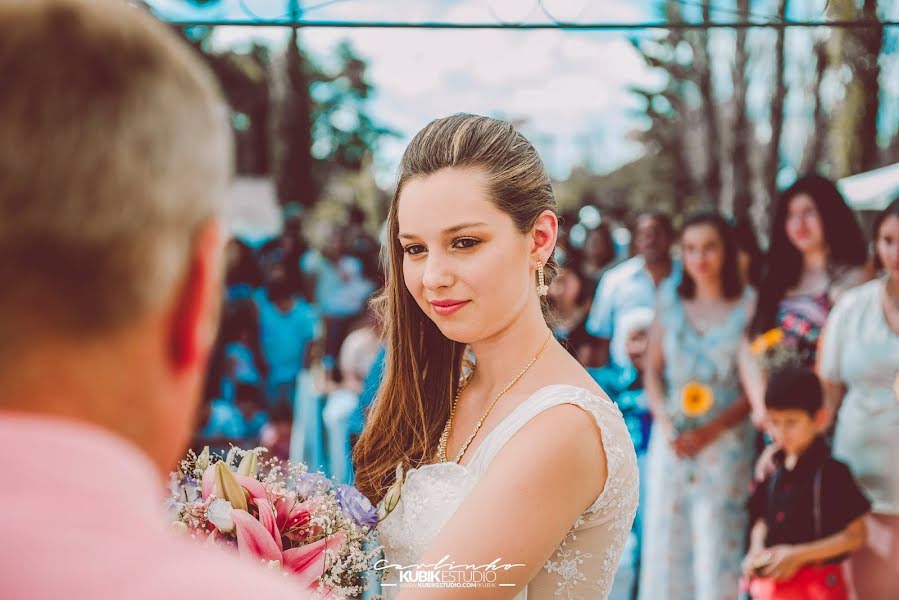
(872, 190)
(253, 212)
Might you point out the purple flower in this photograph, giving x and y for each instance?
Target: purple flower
(356, 505)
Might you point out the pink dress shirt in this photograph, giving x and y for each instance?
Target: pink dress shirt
(82, 517)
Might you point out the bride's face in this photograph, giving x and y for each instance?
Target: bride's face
(464, 261)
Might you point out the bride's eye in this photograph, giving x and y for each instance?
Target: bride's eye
(413, 249)
(464, 243)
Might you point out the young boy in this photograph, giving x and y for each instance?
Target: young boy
(807, 515)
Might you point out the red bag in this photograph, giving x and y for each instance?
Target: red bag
(819, 582)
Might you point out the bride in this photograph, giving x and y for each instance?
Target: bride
(515, 476)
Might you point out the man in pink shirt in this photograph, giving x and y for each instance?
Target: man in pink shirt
(115, 152)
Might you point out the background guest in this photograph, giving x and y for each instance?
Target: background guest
(817, 252)
(859, 362)
(701, 449)
(632, 284)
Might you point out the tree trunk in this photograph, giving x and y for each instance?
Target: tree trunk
(777, 106)
(854, 135)
(742, 131)
(711, 192)
(814, 151)
(293, 166)
(871, 42)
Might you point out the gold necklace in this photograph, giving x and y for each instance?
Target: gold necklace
(444, 437)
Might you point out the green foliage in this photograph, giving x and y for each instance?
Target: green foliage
(295, 118)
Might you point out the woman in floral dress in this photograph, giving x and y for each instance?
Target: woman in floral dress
(701, 447)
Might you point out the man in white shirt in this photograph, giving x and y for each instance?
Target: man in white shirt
(633, 283)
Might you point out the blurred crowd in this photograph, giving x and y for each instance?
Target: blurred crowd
(296, 327)
(687, 329)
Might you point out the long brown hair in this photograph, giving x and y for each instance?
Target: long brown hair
(423, 366)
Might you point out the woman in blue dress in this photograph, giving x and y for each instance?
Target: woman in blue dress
(701, 446)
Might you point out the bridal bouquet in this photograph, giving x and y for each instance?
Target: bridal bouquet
(283, 516)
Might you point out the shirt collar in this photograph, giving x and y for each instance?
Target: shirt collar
(813, 457)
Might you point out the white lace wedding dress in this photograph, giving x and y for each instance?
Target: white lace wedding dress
(583, 565)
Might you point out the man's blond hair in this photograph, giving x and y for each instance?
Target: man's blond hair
(114, 149)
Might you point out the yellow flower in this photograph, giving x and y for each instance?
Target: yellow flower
(697, 399)
(767, 340)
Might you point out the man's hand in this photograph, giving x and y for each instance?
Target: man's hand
(783, 562)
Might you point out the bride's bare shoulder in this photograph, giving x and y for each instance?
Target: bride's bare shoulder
(562, 368)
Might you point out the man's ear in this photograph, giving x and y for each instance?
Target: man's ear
(545, 233)
(197, 305)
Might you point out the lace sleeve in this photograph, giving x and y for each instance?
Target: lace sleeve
(584, 563)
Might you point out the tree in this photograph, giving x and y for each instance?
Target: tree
(293, 119)
(293, 166)
(854, 135)
(668, 113)
(742, 129)
(341, 118)
(814, 150)
(779, 93)
(700, 43)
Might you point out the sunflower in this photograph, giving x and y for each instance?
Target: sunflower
(697, 399)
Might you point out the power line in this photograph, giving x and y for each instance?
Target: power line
(328, 24)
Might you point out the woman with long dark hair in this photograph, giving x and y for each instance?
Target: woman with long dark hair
(817, 251)
(860, 369)
(701, 446)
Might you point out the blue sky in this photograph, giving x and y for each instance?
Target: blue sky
(569, 90)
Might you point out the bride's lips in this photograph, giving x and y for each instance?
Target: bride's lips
(444, 308)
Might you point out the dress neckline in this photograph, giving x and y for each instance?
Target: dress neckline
(736, 310)
(476, 452)
(466, 470)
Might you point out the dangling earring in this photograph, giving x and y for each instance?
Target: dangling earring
(542, 288)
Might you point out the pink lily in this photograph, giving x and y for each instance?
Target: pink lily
(257, 539)
(291, 515)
